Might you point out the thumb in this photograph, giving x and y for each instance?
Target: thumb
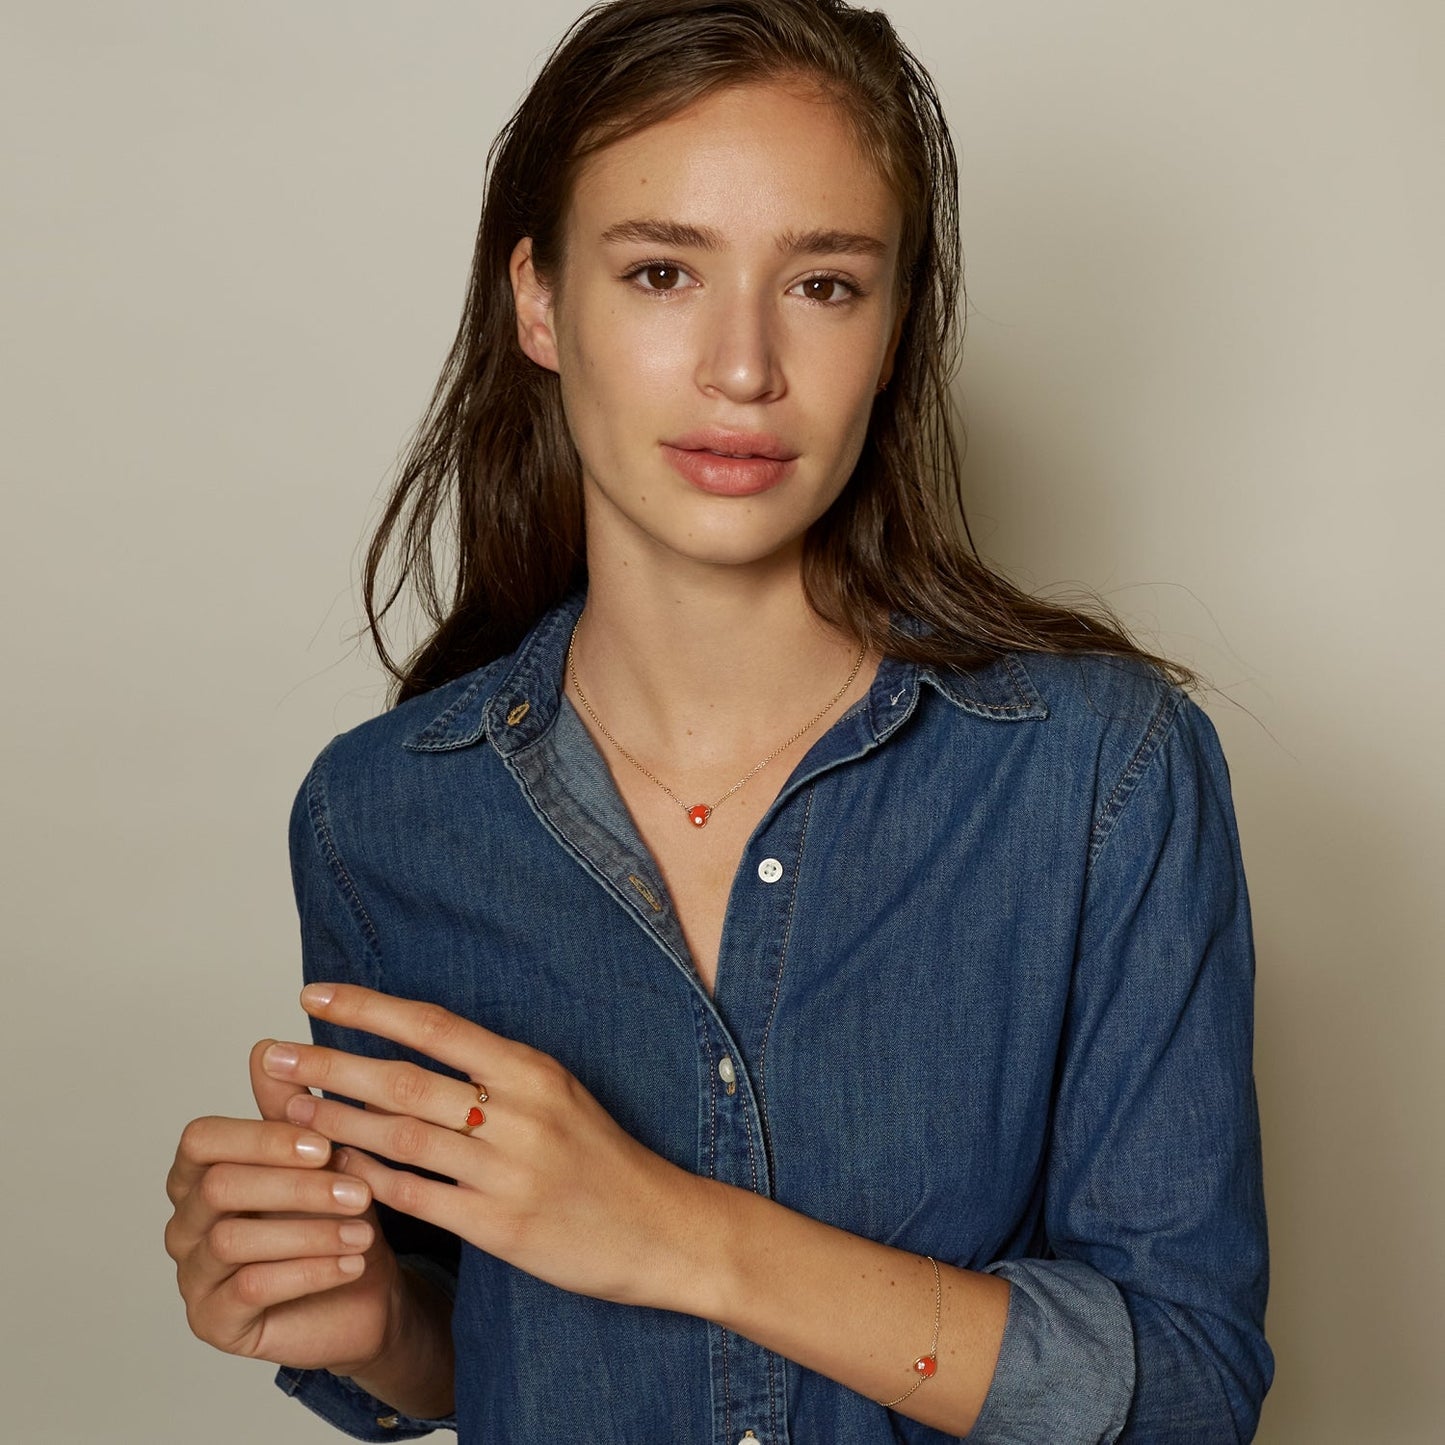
(271, 1094)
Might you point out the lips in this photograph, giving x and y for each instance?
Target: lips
(734, 444)
(731, 471)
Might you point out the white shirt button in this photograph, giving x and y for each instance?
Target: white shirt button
(749, 1436)
(770, 870)
(726, 1072)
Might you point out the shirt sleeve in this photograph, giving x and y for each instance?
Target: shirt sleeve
(1145, 1322)
(339, 945)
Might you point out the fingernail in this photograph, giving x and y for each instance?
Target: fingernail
(312, 1148)
(317, 994)
(340, 1160)
(301, 1108)
(281, 1059)
(356, 1233)
(350, 1263)
(348, 1193)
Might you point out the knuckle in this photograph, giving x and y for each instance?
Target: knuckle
(217, 1186)
(410, 1088)
(309, 1192)
(551, 1083)
(193, 1137)
(226, 1241)
(251, 1286)
(196, 1320)
(408, 1139)
(172, 1237)
(405, 1193)
(437, 1025)
(321, 1273)
(317, 1064)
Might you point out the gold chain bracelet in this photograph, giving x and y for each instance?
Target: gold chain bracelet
(925, 1366)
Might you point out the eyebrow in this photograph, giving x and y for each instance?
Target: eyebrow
(704, 238)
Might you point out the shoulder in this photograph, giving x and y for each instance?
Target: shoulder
(372, 765)
(1093, 702)
(1090, 690)
(1117, 703)
(1153, 750)
(1101, 729)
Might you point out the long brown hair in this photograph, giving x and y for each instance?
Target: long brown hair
(485, 521)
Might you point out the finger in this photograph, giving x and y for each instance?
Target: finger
(439, 1203)
(393, 1086)
(400, 1137)
(229, 1188)
(271, 1092)
(425, 1027)
(237, 1240)
(246, 1189)
(213, 1139)
(255, 1288)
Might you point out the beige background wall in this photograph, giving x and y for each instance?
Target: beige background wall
(1204, 250)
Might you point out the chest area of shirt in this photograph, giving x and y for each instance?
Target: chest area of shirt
(697, 865)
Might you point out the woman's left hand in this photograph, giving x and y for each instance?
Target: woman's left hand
(548, 1182)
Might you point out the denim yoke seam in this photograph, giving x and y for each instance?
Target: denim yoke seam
(318, 811)
(763, 1052)
(1123, 790)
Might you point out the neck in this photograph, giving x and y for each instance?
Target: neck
(712, 667)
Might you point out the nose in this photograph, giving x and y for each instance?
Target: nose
(739, 353)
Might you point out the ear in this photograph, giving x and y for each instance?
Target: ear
(886, 374)
(533, 301)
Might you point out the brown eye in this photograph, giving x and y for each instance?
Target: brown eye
(661, 278)
(828, 290)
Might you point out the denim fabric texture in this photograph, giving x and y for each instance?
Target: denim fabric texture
(990, 1000)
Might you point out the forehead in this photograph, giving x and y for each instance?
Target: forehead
(747, 161)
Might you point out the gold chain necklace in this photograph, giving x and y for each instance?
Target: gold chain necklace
(699, 813)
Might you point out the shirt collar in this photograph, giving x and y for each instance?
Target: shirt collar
(514, 704)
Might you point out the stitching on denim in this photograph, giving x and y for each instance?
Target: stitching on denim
(711, 1089)
(955, 689)
(727, 1388)
(1148, 747)
(424, 742)
(772, 1388)
(778, 983)
(605, 880)
(1023, 682)
(752, 1157)
(318, 812)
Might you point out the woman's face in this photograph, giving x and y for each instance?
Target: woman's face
(728, 287)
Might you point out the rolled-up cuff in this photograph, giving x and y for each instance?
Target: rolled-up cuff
(1065, 1371)
(344, 1404)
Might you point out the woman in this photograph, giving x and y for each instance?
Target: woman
(802, 985)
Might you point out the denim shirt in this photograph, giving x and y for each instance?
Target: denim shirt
(984, 992)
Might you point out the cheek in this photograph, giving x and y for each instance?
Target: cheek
(613, 361)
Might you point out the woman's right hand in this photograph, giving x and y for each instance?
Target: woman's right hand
(278, 1253)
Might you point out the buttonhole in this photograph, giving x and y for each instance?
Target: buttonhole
(646, 892)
